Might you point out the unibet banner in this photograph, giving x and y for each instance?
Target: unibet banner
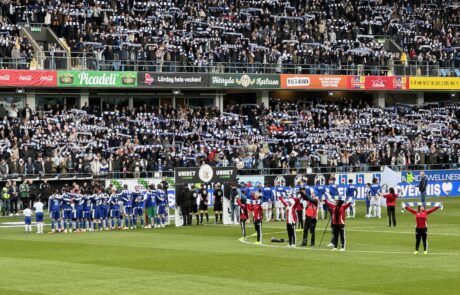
(434, 83)
(96, 79)
(244, 81)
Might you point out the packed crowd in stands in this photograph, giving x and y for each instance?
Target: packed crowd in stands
(127, 34)
(285, 137)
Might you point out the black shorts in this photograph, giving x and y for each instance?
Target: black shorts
(218, 207)
(421, 231)
(203, 206)
(194, 208)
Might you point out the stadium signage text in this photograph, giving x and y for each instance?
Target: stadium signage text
(245, 81)
(97, 79)
(170, 80)
(206, 174)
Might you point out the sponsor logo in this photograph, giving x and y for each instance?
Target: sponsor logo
(148, 79)
(378, 84)
(321, 179)
(447, 187)
(5, 78)
(280, 180)
(205, 173)
(298, 81)
(25, 78)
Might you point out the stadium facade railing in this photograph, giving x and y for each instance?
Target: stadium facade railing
(267, 171)
(87, 62)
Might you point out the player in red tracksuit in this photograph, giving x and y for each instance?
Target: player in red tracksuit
(338, 213)
(243, 216)
(291, 218)
(421, 230)
(255, 206)
(391, 203)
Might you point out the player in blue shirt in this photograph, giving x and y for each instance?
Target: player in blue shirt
(375, 190)
(161, 205)
(114, 208)
(351, 192)
(267, 202)
(127, 197)
(320, 192)
(67, 210)
(54, 207)
(138, 209)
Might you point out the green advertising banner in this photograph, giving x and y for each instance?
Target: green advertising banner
(96, 79)
(245, 81)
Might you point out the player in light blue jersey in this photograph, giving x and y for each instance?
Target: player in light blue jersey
(351, 193)
(127, 197)
(161, 205)
(375, 191)
(54, 207)
(138, 209)
(114, 208)
(267, 202)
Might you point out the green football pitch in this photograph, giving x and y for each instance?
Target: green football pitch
(210, 259)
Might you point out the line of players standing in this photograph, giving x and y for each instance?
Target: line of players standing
(106, 209)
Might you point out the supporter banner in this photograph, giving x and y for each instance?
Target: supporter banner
(358, 178)
(435, 175)
(434, 83)
(26, 78)
(177, 80)
(244, 81)
(96, 79)
(206, 174)
(378, 82)
(292, 180)
(328, 82)
(434, 189)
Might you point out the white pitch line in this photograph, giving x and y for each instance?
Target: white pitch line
(380, 231)
(353, 251)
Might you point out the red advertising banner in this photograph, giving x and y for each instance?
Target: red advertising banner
(326, 82)
(27, 78)
(378, 82)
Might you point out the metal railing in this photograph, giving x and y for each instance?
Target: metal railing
(246, 171)
(58, 61)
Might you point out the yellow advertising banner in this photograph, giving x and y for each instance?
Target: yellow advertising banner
(434, 83)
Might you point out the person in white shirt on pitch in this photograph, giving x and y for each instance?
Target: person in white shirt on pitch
(38, 206)
(27, 220)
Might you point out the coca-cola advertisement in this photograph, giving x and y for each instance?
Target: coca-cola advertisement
(26, 78)
(159, 80)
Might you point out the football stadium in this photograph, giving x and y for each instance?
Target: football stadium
(229, 147)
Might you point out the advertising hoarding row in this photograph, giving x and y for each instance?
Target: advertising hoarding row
(129, 79)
